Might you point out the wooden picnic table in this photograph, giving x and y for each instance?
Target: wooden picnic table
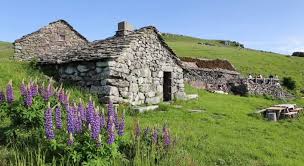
(277, 110)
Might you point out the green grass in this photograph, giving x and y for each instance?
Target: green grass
(225, 132)
(245, 60)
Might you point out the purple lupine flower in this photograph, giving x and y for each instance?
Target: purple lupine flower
(23, 89)
(90, 112)
(47, 92)
(81, 111)
(96, 126)
(121, 128)
(10, 92)
(102, 120)
(34, 88)
(78, 121)
(42, 90)
(61, 96)
(49, 123)
(111, 134)
(70, 119)
(166, 137)
(58, 117)
(29, 97)
(66, 98)
(137, 130)
(70, 139)
(154, 135)
(110, 109)
(2, 97)
(110, 123)
(116, 119)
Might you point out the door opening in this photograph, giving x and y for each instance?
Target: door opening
(167, 86)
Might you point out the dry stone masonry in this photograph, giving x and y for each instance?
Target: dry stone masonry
(134, 66)
(209, 74)
(56, 37)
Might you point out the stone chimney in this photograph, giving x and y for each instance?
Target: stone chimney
(124, 28)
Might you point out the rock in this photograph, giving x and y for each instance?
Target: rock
(191, 97)
(145, 109)
(82, 68)
(102, 64)
(133, 88)
(153, 100)
(69, 70)
(150, 94)
(195, 111)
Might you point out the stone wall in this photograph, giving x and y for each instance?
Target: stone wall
(139, 72)
(55, 37)
(210, 79)
(135, 77)
(269, 88)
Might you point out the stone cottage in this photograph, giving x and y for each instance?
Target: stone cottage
(133, 66)
(56, 36)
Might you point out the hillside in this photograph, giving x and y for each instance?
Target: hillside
(224, 132)
(245, 60)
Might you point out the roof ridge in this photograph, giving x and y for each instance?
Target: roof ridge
(54, 22)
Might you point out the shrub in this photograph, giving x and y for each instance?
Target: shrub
(289, 83)
(298, 54)
(239, 90)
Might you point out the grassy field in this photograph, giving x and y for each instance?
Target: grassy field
(245, 60)
(225, 132)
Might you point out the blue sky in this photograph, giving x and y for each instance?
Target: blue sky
(273, 25)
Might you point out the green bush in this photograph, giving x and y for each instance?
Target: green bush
(239, 90)
(289, 83)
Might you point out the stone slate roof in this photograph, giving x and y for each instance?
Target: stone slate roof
(102, 49)
(58, 21)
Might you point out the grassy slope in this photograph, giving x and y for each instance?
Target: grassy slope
(246, 61)
(225, 134)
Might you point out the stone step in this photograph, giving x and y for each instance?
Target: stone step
(146, 108)
(192, 96)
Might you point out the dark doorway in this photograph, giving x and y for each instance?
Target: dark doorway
(167, 84)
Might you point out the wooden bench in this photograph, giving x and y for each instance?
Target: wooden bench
(290, 114)
(298, 110)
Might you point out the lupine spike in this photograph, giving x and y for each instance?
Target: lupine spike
(58, 117)
(70, 119)
(166, 137)
(102, 120)
(81, 110)
(77, 119)
(111, 134)
(90, 112)
(23, 90)
(10, 92)
(116, 119)
(49, 123)
(137, 130)
(96, 125)
(29, 97)
(154, 135)
(121, 127)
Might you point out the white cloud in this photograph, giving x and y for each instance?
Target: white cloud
(284, 46)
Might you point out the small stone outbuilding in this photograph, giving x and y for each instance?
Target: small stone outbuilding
(133, 66)
(210, 74)
(55, 37)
